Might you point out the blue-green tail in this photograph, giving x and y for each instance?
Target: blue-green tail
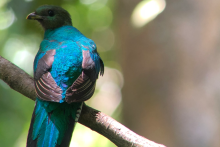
(52, 124)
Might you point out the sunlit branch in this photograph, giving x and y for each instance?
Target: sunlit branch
(121, 136)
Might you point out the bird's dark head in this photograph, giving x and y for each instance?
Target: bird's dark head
(51, 17)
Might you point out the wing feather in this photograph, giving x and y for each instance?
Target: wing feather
(82, 89)
(47, 89)
(84, 86)
(45, 86)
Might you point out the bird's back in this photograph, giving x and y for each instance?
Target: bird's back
(67, 64)
(66, 68)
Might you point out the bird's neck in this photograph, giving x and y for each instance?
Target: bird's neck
(62, 32)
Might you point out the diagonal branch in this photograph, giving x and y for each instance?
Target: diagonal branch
(121, 136)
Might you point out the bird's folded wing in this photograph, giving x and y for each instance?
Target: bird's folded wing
(84, 86)
(47, 89)
(82, 89)
(45, 86)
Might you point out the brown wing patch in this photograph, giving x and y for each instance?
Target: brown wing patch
(88, 66)
(47, 89)
(44, 64)
(49, 57)
(82, 89)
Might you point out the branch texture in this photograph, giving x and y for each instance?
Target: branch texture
(121, 136)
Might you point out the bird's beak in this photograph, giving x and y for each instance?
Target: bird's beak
(33, 16)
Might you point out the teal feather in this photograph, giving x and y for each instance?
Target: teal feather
(51, 134)
(51, 128)
(41, 137)
(40, 116)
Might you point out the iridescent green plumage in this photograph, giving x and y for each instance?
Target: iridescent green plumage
(65, 70)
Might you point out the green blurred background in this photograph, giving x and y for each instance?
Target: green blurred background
(162, 75)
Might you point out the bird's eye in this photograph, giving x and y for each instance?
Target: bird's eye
(51, 13)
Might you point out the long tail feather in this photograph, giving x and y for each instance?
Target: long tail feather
(52, 127)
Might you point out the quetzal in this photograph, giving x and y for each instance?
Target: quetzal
(65, 71)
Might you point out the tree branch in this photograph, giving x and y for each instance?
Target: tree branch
(121, 136)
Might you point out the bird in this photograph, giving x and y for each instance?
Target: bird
(66, 68)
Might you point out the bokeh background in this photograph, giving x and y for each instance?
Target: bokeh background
(162, 68)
